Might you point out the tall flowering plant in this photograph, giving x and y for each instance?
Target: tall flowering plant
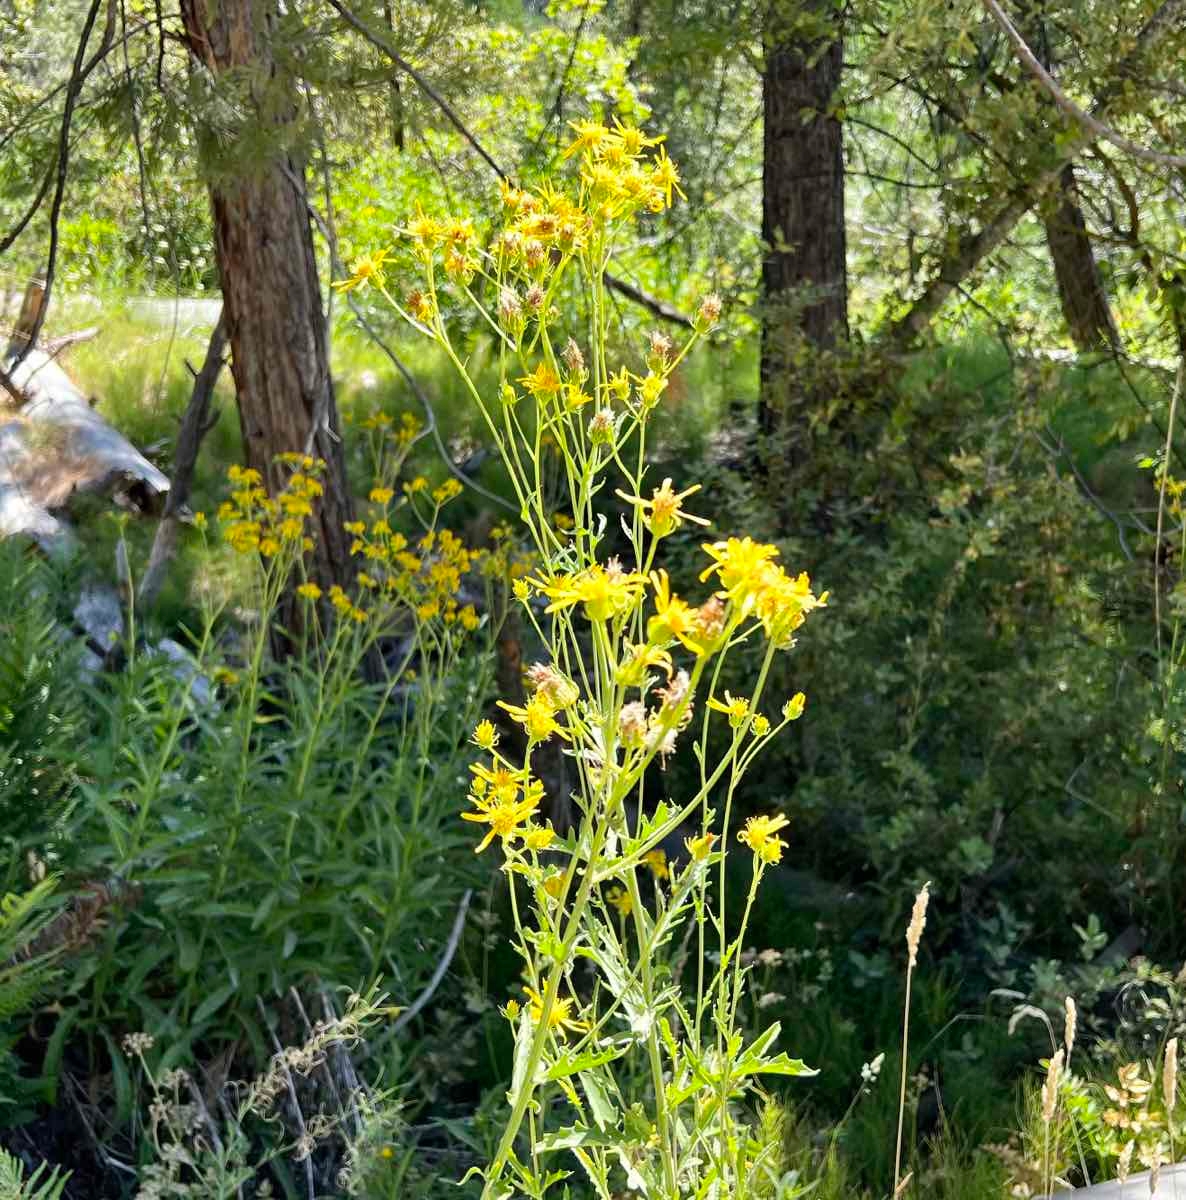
(631, 677)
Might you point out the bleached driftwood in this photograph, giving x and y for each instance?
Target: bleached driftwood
(55, 444)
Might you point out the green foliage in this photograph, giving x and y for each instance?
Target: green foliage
(41, 717)
(44, 1184)
(27, 972)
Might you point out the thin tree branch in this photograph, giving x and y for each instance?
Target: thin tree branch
(1030, 61)
(442, 966)
(77, 79)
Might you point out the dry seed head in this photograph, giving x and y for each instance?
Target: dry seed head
(1069, 1023)
(574, 360)
(1124, 1162)
(632, 723)
(710, 310)
(918, 922)
(510, 307)
(1169, 1076)
(535, 297)
(1050, 1087)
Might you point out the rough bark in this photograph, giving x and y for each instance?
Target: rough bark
(271, 293)
(971, 249)
(804, 280)
(1081, 293)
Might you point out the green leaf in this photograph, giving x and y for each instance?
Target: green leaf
(564, 1067)
(213, 1003)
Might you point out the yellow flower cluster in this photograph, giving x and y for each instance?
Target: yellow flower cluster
(426, 575)
(754, 583)
(617, 176)
(254, 522)
(505, 799)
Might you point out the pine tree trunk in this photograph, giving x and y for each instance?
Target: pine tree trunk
(271, 292)
(804, 279)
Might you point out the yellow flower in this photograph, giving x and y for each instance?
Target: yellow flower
(621, 900)
(657, 861)
(633, 140)
(369, 269)
(387, 1152)
(605, 592)
(761, 836)
(538, 837)
(543, 381)
(381, 495)
(469, 618)
(538, 718)
(503, 814)
(425, 230)
(662, 513)
(560, 1018)
(512, 1010)
(199, 520)
(619, 385)
(674, 618)
(225, 676)
(589, 135)
(700, 848)
(633, 672)
(792, 710)
(740, 563)
(485, 736)
(735, 707)
(309, 591)
(760, 725)
(782, 603)
(665, 176)
(650, 388)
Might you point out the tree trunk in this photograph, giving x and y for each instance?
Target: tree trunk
(1080, 287)
(804, 279)
(271, 292)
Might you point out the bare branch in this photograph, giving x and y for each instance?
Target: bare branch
(442, 966)
(1093, 124)
(77, 79)
(194, 427)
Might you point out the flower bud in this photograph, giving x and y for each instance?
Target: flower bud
(602, 427)
(709, 313)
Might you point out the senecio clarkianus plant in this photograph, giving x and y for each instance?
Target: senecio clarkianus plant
(632, 667)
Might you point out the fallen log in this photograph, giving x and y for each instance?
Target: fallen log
(53, 445)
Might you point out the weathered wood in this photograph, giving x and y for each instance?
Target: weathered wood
(1170, 1186)
(194, 426)
(54, 445)
(30, 317)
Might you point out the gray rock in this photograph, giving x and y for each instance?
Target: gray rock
(100, 616)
